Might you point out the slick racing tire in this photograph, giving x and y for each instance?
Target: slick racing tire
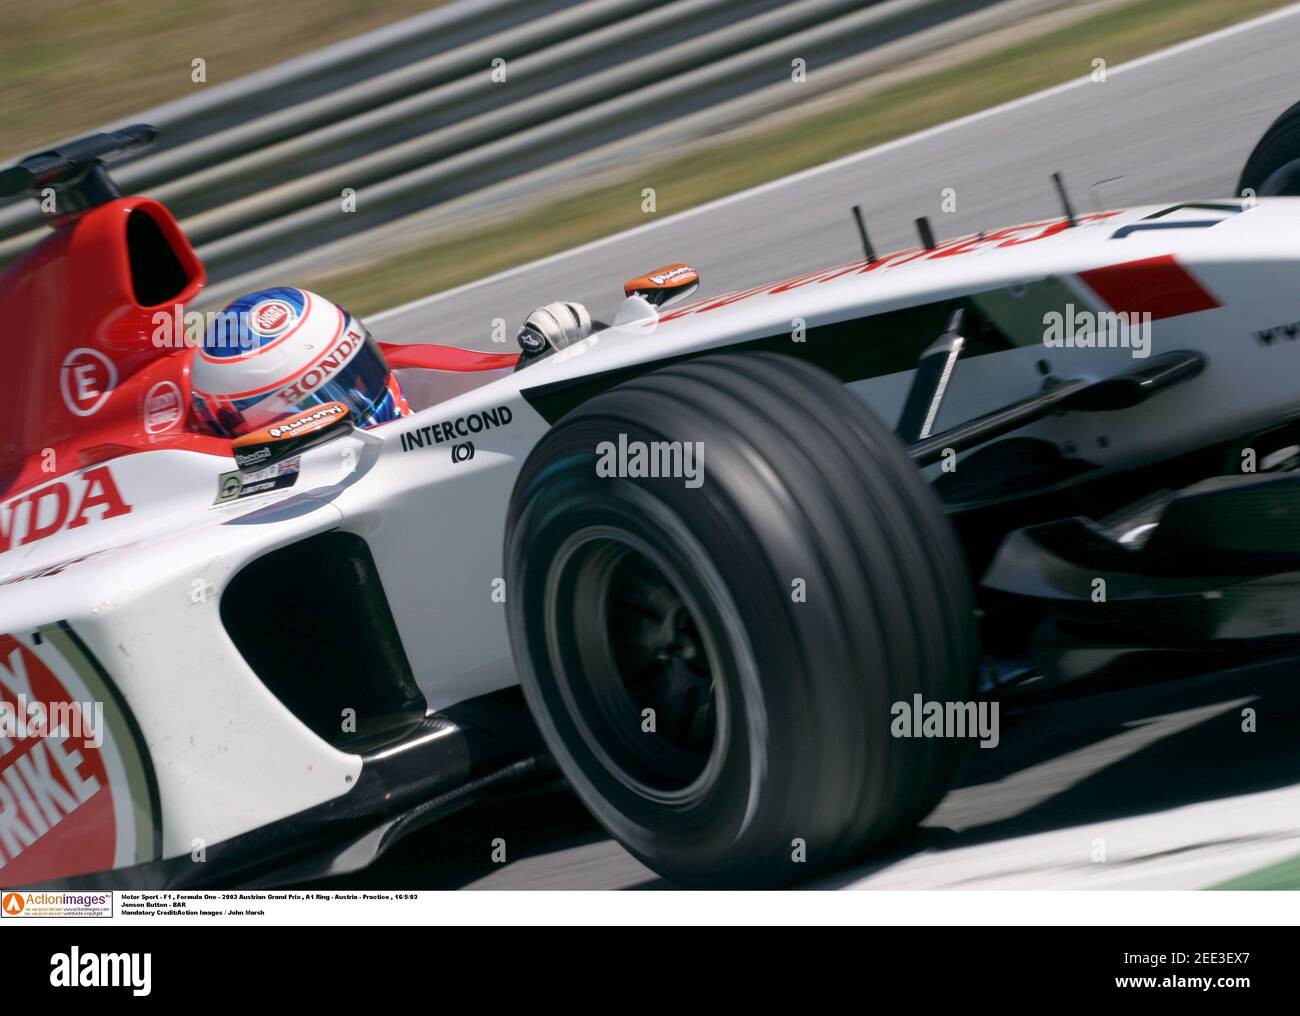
(1273, 168)
(712, 656)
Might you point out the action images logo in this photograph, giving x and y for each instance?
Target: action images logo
(29, 905)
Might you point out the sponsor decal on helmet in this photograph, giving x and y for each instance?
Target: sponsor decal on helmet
(164, 407)
(86, 380)
(323, 369)
(462, 426)
(67, 503)
(246, 327)
(270, 317)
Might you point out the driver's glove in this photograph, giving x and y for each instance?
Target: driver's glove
(553, 326)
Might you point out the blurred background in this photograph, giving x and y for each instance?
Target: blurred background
(381, 150)
(442, 167)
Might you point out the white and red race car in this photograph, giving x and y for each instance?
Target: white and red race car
(722, 546)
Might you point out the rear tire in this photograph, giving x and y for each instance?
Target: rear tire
(1274, 166)
(770, 617)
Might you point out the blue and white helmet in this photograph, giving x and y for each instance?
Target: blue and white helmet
(279, 351)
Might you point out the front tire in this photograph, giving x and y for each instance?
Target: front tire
(1273, 168)
(714, 666)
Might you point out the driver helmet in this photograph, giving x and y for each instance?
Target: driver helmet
(276, 352)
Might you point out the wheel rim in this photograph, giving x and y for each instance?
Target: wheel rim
(625, 634)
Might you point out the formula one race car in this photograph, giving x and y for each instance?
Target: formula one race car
(727, 548)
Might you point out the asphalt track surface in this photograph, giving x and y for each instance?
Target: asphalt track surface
(1161, 772)
(1153, 785)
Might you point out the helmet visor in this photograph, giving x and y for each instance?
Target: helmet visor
(364, 384)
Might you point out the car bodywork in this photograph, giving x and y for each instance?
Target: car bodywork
(297, 666)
